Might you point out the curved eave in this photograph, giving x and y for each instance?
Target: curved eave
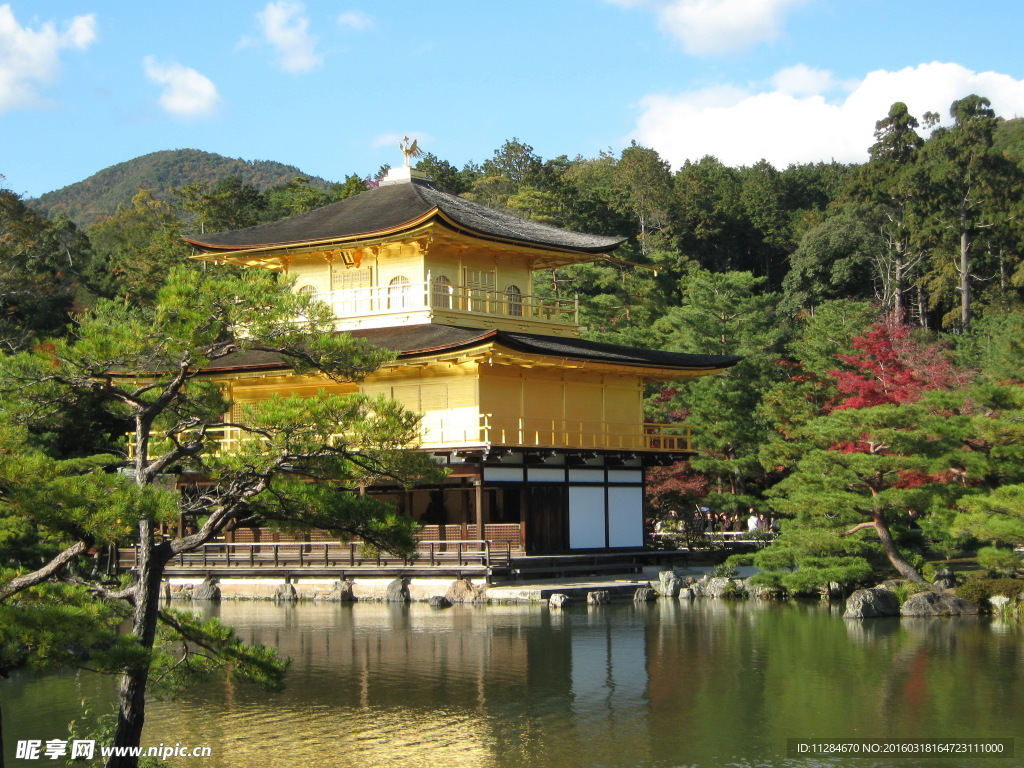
(466, 230)
(490, 346)
(269, 248)
(485, 347)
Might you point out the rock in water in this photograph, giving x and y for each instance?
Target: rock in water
(669, 584)
(718, 587)
(834, 591)
(558, 600)
(463, 591)
(937, 604)
(341, 592)
(440, 601)
(644, 595)
(397, 592)
(286, 593)
(599, 597)
(208, 590)
(871, 603)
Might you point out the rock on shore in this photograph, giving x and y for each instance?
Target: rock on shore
(937, 604)
(871, 603)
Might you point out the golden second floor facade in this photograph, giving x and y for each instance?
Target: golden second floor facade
(478, 388)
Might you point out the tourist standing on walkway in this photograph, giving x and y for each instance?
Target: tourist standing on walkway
(752, 521)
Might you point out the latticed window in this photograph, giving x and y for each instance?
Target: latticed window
(352, 289)
(513, 301)
(480, 286)
(307, 291)
(399, 292)
(442, 293)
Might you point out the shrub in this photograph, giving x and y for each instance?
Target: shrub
(775, 559)
(947, 545)
(771, 579)
(725, 571)
(741, 561)
(915, 559)
(816, 573)
(928, 570)
(979, 590)
(906, 589)
(998, 561)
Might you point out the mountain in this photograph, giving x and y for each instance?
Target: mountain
(100, 194)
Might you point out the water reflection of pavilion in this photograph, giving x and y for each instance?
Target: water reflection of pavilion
(500, 680)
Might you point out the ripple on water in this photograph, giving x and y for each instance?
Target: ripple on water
(326, 737)
(675, 685)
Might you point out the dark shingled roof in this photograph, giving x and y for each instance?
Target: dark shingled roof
(388, 208)
(597, 351)
(412, 341)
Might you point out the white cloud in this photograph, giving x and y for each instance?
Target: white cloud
(287, 29)
(802, 80)
(790, 121)
(29, 58)
(187, 94)
(711, 27)
(356, 20)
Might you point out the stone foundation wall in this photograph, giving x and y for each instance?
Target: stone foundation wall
(368, 589)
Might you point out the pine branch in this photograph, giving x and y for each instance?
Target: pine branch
(16, 585)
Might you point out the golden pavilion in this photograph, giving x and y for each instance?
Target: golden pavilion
(543, 432)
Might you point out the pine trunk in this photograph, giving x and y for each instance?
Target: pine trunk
(132, 693)
(892, 552)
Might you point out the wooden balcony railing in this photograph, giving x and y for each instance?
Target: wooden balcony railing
(428, 295)
(442, 430)
(439, 431)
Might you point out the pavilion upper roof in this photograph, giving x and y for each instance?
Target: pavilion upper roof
(389, 210)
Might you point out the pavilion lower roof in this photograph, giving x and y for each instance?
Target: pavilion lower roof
(432, 340)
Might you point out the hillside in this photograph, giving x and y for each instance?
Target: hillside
(100, 194)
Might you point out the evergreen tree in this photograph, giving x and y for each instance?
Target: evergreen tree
(135, 249)
(298, 461)
(723, 314)
(41, 266)
(968, 185)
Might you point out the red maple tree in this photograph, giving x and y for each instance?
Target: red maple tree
(891, 367)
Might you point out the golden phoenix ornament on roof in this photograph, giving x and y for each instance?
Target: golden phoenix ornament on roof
(410, 150)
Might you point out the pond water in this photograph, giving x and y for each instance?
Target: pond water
(708, 683)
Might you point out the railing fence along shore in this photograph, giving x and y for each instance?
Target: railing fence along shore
(334, 554)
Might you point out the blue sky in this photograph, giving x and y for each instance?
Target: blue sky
(331, 86)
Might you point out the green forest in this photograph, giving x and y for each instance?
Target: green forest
(879, 406)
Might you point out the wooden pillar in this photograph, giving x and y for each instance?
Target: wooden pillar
(522, 516)
(478, 501)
